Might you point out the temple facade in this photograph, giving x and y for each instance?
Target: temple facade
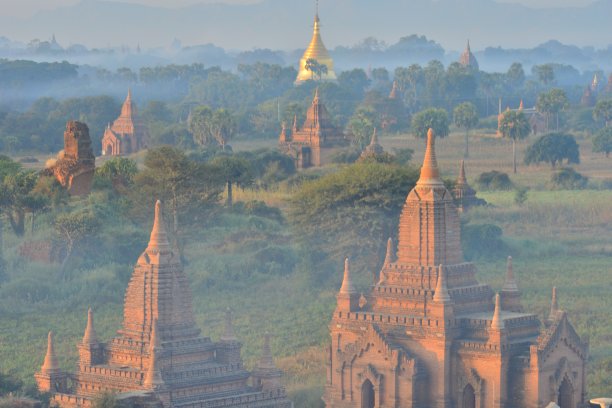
(307, 144)
(75, 167)
(159, 358)
(316, 50)
(128, 133)
(429, 335)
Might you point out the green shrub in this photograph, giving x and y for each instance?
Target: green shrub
(346, 156)
(482, 241)
(568, 179)
(494, 180)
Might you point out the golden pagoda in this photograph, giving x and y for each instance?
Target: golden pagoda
(317, 51)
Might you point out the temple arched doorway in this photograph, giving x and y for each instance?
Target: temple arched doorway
(566, 394)
(469, 397)
(109, 150)
(367, 395)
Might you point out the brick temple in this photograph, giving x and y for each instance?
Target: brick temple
(310, 144)
(429, 335)
(128, 133)
(159, 358)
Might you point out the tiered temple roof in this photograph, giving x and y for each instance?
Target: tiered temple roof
(128, 133)
(158, 356)
(467, 59)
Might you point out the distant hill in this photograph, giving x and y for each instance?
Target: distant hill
(286, 24)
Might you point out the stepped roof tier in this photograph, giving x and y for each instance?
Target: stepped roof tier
(158, 358)
(316, 50)
(429, 334)
(467, 59)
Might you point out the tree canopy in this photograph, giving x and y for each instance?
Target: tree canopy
(553, 148)
(436, 119)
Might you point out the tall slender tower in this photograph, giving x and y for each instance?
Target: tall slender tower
(316, 50)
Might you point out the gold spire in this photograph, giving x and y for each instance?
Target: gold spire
(441, 295)
(497, 323)
(50, 364)
(430, 175)
(347, 284)
(90, 332)
(316, 50)
(159, 238)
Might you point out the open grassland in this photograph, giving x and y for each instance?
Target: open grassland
(557, 238)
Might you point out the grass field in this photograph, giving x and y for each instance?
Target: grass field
(557, 238)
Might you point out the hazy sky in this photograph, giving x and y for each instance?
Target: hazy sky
(22, 8)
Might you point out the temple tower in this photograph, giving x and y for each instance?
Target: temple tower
(128, 133)
(468, 59)
(316, 50)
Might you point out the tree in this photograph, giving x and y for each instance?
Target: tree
(514, 126)
(602, 143)
(361, 126)
(18, 197)
(603, 111)
(117, 173)
(436, 119)
(199, 122)
(355, 80)
(232, 170)
(73, 228)
(410, 81)
(341, 214)
(315, 68)
(186, 187)
(516, 75)
(545, 73)
(222, 126)
(553, 148)
(551, 103)
(466, 117)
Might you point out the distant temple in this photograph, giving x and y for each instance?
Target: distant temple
(588, 98)
(75, 168)
(464, 194)
(128, 134)
(429, 335)
(373, 149)
(316, 50)
(158, 358)
(536, 120)
(307, 144)
(467, 59)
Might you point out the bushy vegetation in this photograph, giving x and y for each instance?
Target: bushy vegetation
(568, 179)
(494, 180)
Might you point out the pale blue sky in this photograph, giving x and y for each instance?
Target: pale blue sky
(24, 8)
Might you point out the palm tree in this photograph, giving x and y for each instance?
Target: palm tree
(514, 125)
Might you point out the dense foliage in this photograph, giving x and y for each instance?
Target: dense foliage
(553, 148)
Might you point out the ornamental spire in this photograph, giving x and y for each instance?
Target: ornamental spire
(90, 336)
(50, 364)
(497, 323)
(441, 295)
(510, 284)
(374, 140)
(430, 175)
(159, 237)
(389, 256)
(347, 284)
(462, 179)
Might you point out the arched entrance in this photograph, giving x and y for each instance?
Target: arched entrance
(109, 150)
(367, 395)
(469, 397)
(566, 394)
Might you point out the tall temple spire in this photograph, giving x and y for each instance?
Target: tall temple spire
(554, 304)
(228, 334)
(394, 94)
(153, 378)
(316, 50)
(462, 179)
(50, 365)
(497, 323)
(90, 336)
(159, 237)
(347, 284)
(510, 283)
(441, 295)
(430, 175)
(374, 139)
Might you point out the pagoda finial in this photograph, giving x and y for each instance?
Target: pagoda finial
(510, 284)
(441, 295)
(374, 140)
(430, 174)
(153, 378)
(228, 334)
(389, 256)
(497, 323)
(462, 179)
(266, 361)
(90, 336)
(554, 304)
(468, 46)
(50, 364)
(159, 238)
(347, 284)
(129, 95)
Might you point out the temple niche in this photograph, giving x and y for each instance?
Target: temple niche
(429, 335)
(75, 166)
(128, 133)
(159, 358)
(310, 144)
